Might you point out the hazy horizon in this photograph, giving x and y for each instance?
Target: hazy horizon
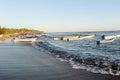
(61, 15)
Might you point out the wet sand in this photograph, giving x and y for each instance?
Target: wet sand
(21, 61)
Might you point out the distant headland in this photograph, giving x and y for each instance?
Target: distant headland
(4, 30)
(6, 33)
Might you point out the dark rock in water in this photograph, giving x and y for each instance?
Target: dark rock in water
(98, 42)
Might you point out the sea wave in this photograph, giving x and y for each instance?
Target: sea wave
(93, 63)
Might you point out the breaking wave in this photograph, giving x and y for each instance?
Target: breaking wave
(84, 54)
(96, 64)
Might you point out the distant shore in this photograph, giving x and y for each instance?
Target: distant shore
(4, 37)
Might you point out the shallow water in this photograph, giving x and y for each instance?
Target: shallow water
(22, 61)
(85, 54)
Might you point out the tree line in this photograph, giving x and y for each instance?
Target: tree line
(4, 30)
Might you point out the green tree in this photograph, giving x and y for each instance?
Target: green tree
(4, 30)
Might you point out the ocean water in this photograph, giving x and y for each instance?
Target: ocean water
(84, 53)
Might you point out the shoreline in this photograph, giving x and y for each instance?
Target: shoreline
(76, 62)
(92, 76)
(39, 64)
(5, 36)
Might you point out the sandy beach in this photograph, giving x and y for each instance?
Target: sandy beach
(21, 61)
(4, 37)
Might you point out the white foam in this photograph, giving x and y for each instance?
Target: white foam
(60, 59)
(91, 68)
(76, 65)
(118, 73)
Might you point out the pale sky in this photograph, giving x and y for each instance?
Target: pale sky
(61, 15)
